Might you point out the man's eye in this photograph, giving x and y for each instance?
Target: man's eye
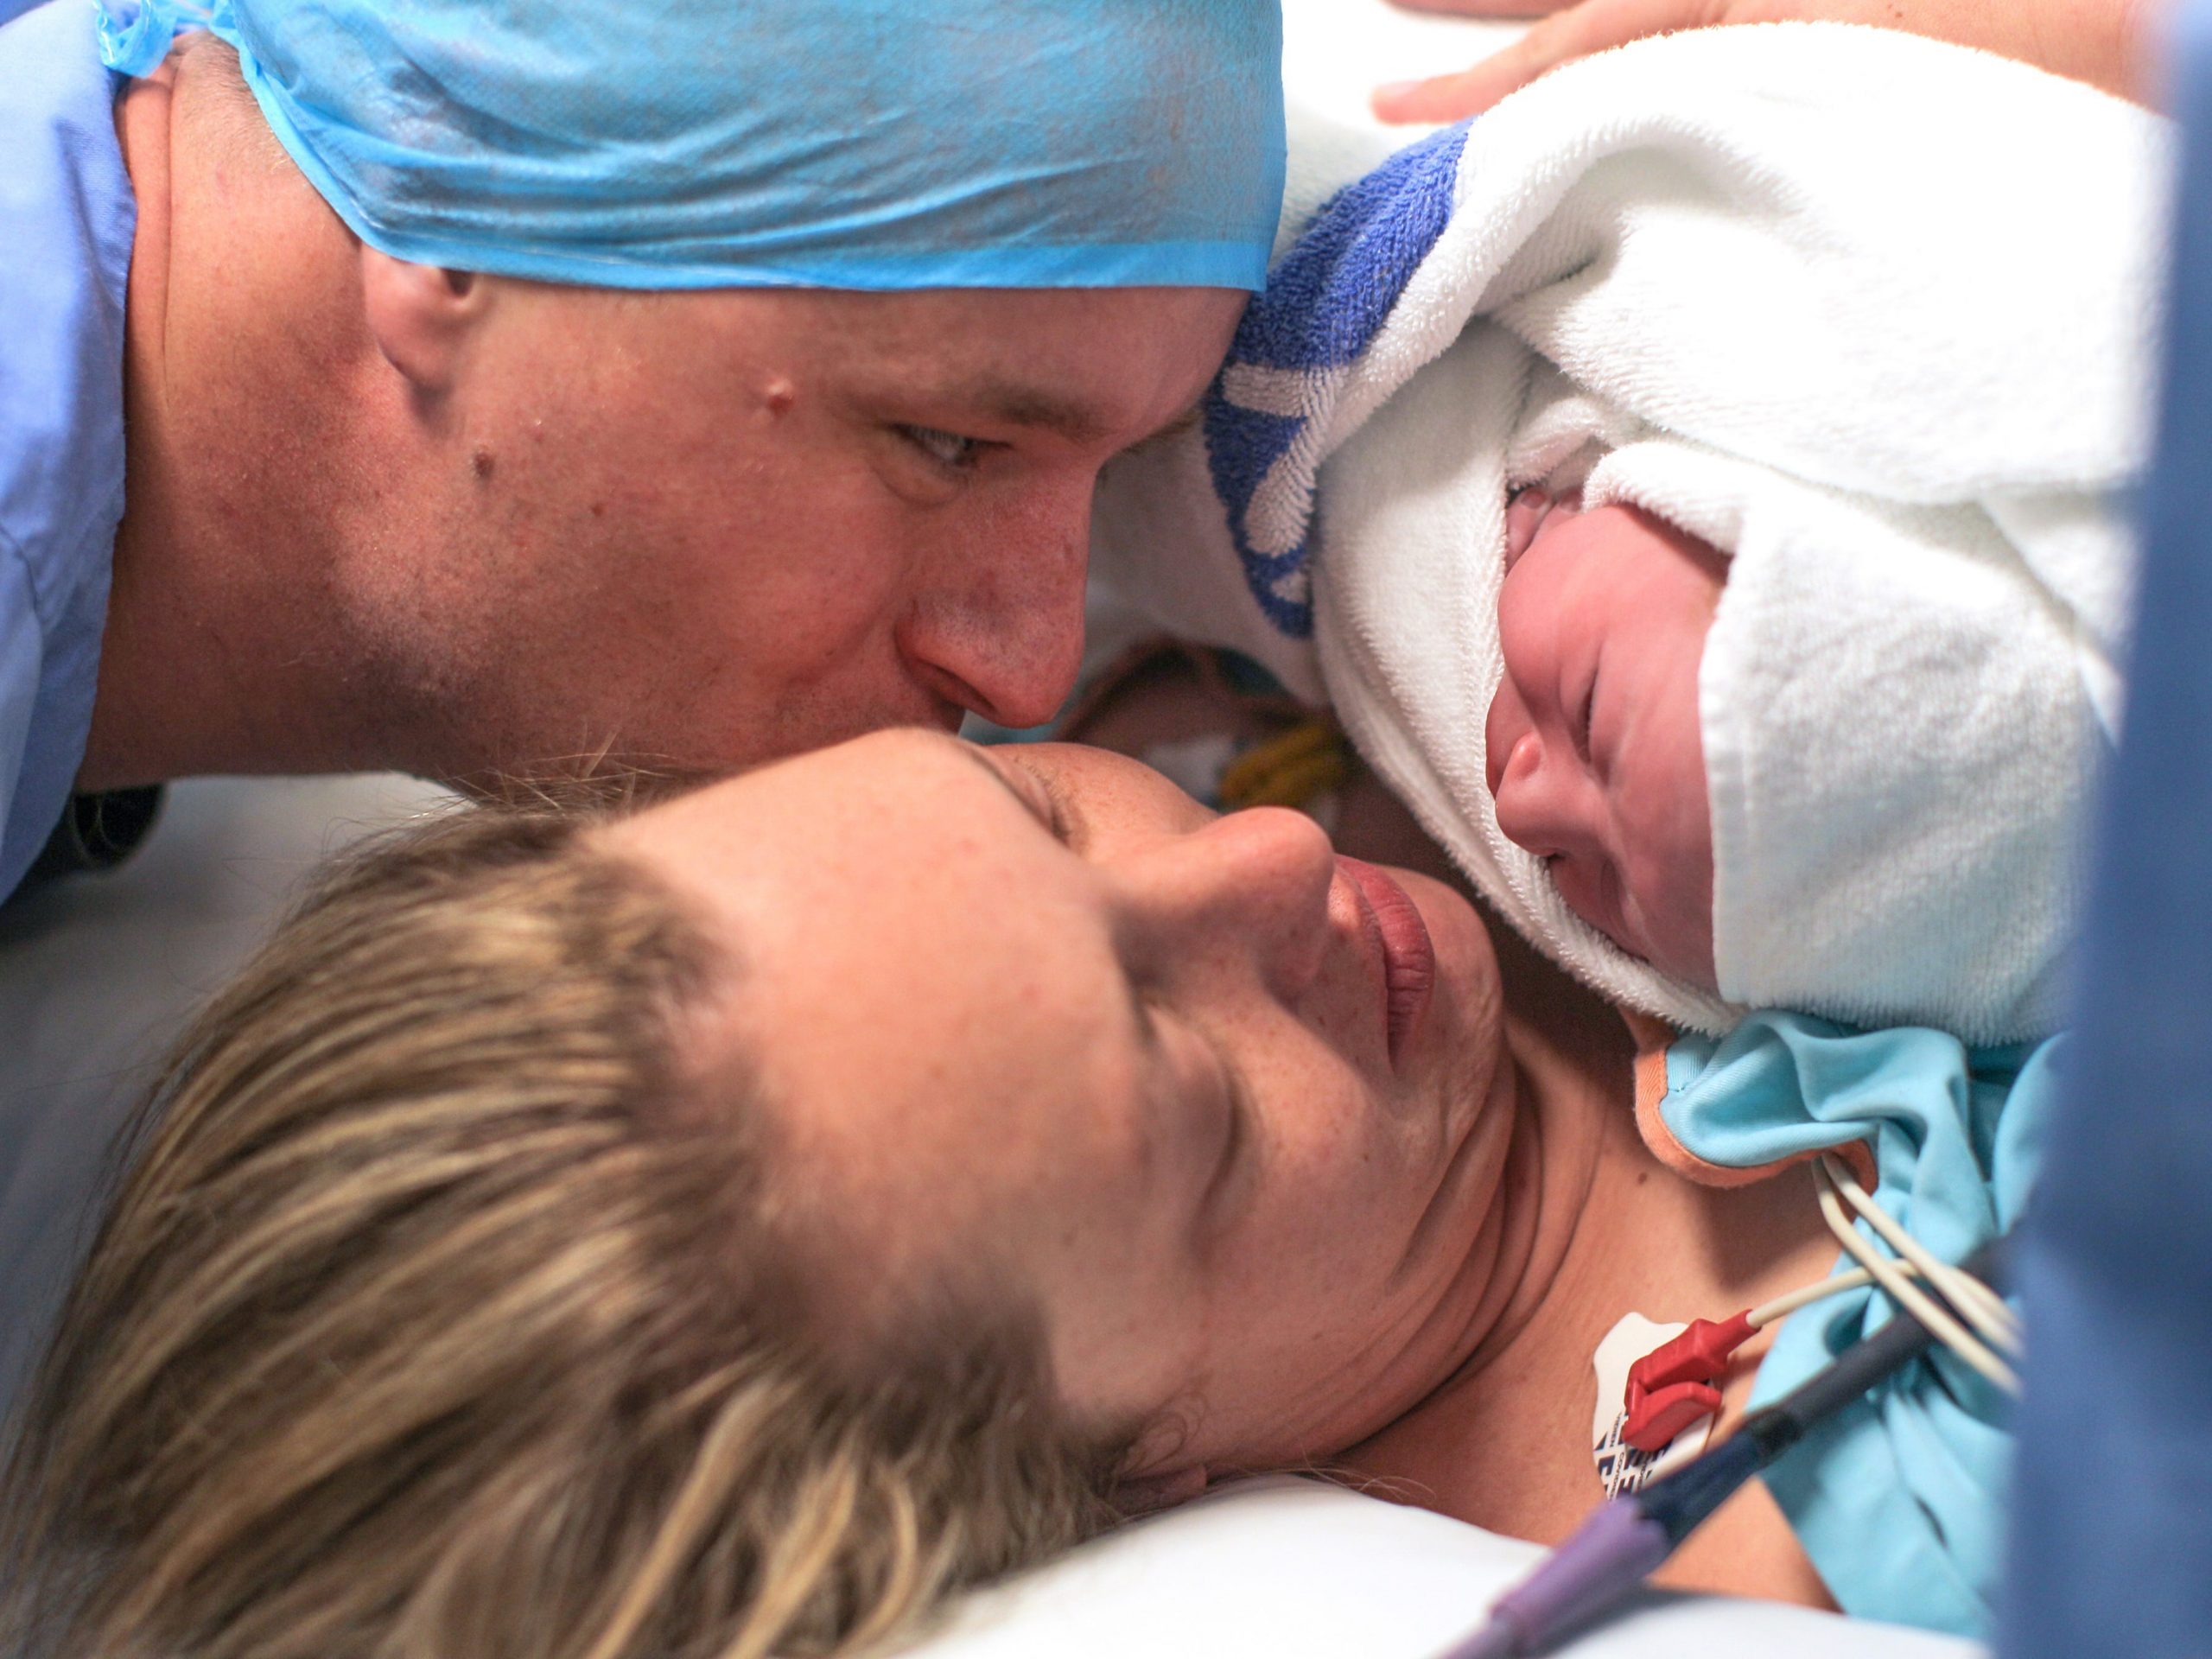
(946, 448)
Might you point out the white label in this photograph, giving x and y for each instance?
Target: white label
(1620, 1466)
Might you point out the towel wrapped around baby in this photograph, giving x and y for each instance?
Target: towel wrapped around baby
(1871, 315)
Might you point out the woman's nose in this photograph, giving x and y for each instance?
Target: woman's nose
(1249, 890)
(998, 626)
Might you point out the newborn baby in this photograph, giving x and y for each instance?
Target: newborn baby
(1829, 350)
(1831, 709)
(1594, 753)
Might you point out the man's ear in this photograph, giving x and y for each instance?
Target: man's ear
(420, 316)
(1163, 1490)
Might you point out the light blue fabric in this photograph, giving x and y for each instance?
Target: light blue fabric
(67, 215)
(838, 144)
(1900, 1501)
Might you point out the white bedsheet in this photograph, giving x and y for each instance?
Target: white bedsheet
(1285, 1568)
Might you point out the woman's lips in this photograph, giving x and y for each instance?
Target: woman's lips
(1408, 957)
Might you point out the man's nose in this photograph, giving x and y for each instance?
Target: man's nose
(998, 625)
(1249, 891)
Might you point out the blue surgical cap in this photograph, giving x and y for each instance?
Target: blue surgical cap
(734, 143)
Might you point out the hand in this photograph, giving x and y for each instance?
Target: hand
(2089, 40)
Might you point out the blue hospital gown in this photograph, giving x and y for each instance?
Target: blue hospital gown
(67, 218)
(1900, 1501)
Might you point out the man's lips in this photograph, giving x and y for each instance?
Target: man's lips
(1408, 957)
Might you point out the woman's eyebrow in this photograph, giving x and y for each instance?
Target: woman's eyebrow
(1067, 822)
(975, 757)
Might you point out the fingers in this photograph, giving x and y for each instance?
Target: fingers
(1524, 512)
(1592, 26)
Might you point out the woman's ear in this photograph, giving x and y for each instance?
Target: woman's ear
(420, 316)
(1164, 1490)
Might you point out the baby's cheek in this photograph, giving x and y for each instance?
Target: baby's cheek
(1587, 886)
(1670, 890)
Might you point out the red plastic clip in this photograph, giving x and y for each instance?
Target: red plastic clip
(1673, 1386)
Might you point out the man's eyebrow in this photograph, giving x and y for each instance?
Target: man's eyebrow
(1036, 407)
(1040, 408)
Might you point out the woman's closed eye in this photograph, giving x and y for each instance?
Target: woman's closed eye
(1236, 1151)
(1203, 1078)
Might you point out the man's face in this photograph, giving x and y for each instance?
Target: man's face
(698, 529)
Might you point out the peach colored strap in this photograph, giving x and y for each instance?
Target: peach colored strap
(1652, 1038)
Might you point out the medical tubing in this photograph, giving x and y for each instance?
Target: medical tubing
(1975, 1302)
(1857, 1368)
(1981, 1307)
(1681, 1501)
(1939, 1320)
(1606, 1557)
(1819, 1291)
(1626, 1539)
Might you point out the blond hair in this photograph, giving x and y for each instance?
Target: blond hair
(438, 1315)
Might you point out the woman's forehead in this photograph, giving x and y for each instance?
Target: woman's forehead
(944, 1110)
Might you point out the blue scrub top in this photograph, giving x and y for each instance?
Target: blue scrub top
(67, 217)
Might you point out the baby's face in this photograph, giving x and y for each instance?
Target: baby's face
(1595, 755)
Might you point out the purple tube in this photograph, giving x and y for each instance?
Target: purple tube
(1607, 1556)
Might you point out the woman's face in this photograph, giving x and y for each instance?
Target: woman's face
(1227, 1106)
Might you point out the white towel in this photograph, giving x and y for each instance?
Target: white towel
(1872, 313)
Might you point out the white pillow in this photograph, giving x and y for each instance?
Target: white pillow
(1290, 1568)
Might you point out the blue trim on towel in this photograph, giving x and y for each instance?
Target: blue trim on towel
(1323, 307)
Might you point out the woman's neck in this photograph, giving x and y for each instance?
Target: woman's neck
(1569, 1056)
(1594, 1227)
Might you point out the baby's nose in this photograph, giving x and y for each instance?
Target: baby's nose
(1508, 723)
(1542, 796)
